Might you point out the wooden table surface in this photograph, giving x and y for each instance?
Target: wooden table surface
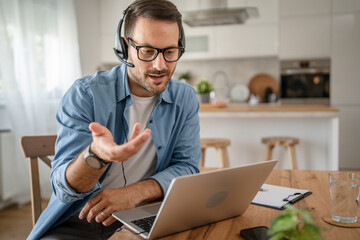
(317, 203)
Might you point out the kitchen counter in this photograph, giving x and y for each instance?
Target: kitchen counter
(317, 127)
(265, 108)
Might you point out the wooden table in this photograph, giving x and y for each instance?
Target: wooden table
(317, 203)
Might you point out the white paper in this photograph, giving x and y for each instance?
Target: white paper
(273, 196)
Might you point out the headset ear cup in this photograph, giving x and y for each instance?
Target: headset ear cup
(123, 49)
(182, 38)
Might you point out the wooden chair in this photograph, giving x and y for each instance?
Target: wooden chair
(221, 147)
(288, 142)
(35, 147)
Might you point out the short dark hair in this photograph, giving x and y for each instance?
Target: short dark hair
(152, 9)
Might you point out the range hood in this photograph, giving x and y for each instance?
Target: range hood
(219, 16)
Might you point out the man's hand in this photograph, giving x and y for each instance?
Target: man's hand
(105, 203)
(83, 178)
(104, 146)
(108, 201)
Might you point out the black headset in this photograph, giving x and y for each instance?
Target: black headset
(121, 48)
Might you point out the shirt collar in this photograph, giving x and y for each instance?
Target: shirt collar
(123, 81)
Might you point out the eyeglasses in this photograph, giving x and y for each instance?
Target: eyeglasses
(148, 53)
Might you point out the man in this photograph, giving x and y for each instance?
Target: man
(97, 170)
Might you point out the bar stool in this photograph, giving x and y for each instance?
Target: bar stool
(221, 147)
(288, 142)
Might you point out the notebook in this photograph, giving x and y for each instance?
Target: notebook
(199, 199)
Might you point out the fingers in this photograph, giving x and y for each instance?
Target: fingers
(125, 151)
(108, 221)
(103, 215)
(97, 209)
(136, 131)
(97, 129)
(136, 142)
(91, 209)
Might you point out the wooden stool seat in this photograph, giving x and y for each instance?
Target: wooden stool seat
(288, 142)
(221, 147)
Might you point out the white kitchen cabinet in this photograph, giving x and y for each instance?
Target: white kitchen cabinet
(200, 43)
(246, 41)
(345, 6)
(345, 61)
(305, 29)
(349, 137)
(305, 37)
(290, 8)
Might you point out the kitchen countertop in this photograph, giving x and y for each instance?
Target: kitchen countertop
(266, 108)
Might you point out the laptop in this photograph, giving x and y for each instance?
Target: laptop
(197, 200)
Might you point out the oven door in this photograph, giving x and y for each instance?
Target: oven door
(305, 88)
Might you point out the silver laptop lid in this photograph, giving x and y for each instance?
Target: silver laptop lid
(200, 199)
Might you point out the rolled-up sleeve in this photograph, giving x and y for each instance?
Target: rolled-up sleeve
(74, 115)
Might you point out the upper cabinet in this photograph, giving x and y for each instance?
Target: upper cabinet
(305, 29)
(258, 37)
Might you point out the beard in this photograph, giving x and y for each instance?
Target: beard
(144, 80)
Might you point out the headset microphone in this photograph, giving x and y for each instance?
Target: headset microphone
(120, 49)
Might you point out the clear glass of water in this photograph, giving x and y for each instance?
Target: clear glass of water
(344, 196)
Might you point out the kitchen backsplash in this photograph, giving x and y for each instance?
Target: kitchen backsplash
(235, 70)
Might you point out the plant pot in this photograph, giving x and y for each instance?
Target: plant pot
(203, 97)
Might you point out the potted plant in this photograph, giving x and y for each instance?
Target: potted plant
(185, 76)
(203, 88)
(294, 223)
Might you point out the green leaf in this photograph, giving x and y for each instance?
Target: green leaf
(295, 224)
(283, 222)
(277, 236)
(310, 232)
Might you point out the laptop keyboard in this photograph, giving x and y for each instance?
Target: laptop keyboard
(145, 223)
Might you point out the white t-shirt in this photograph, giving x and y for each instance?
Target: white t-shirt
(143, 164)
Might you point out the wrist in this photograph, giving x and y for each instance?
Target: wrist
(93, 160)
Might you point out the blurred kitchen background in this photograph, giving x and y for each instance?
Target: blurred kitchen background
(229, 56)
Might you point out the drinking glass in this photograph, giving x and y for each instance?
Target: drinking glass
(344, 196)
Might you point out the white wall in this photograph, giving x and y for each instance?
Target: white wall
(88, 23)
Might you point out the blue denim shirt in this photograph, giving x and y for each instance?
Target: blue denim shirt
(105, 98)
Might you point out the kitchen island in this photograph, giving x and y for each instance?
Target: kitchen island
(316, 126)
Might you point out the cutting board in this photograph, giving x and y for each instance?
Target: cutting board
(260, 82)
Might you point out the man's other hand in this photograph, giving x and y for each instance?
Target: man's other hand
(103, 144)
(105, 203)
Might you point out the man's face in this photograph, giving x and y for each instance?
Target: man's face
(149, 78)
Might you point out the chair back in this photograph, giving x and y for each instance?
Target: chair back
(34, 148)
